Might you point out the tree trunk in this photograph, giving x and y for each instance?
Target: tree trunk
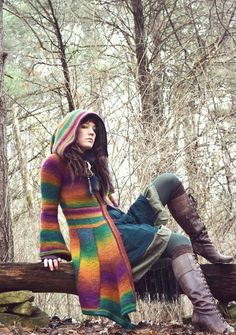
(144, 76)
(64, 64)
(21, 276)
(6, 240)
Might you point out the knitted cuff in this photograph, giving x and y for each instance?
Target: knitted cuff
(180, 250)
(177, 192)
(49, 257)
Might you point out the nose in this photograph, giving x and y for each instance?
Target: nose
(91, 131)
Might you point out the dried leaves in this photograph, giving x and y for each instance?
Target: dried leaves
(101, 327)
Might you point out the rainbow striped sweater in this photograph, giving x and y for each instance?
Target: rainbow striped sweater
(101, 267)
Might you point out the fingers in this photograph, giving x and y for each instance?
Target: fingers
(53, 264)
(56, 263)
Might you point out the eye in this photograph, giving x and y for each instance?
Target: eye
(84, 126)
(87, 125)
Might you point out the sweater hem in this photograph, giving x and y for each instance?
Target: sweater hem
(125, 323)
(60, 253)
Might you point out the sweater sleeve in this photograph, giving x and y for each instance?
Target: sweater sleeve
(51, 239)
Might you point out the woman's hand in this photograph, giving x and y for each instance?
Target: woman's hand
(52, 262)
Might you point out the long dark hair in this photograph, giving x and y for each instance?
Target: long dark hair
(76, 161)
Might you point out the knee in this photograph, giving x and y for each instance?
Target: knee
(169, 179)
(177, 239)
(184, 240)
(178, 244)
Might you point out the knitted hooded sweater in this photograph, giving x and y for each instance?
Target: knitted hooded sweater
(101, 267)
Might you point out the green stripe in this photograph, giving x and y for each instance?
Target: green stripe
(80, 204)
(85, 221)
(49, 191)
(102, 232)
(68, 123)
(118, 319)
(53, 236)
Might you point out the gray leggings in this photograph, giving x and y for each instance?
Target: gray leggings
(165, 184)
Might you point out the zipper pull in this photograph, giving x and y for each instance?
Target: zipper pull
(89, 166)
(89, 175)
(90, 186)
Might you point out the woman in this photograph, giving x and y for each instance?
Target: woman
(109, 248)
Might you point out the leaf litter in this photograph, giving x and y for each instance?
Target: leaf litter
(68, 326)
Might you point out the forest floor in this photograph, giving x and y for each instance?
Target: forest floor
(98, 327)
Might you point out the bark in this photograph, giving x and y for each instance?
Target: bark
(230, 184)
(6, 240)
(64, 64)
(144, 76)
(227, 133)
(22, 276)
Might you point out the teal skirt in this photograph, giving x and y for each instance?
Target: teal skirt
(136, 227)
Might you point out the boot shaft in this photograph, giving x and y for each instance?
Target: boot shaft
(193, 283)
(184, 211)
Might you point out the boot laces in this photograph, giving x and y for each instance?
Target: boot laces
(190, 193)
(194, 204)
(209, 292)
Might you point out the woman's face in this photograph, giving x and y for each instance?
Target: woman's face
(86, 135)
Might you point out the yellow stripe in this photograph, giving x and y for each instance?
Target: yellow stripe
(92, 225)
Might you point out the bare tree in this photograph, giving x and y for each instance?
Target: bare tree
(6, 240)
(42, 19)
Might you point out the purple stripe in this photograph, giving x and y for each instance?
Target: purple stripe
(82, 211)
(49, 216)
(49, 166)
(89, 295)
(110, 275)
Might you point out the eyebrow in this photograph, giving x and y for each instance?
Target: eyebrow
(89, 122)
(86, 123)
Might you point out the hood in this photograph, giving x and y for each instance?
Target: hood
(66, 132)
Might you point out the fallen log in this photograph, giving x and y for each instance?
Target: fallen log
(34, 277)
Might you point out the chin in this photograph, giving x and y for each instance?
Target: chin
(87, 148)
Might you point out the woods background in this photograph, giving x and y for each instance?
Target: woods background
(161, 74)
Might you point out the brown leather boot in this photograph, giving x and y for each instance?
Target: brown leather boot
(183, 209)
(192, 281)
